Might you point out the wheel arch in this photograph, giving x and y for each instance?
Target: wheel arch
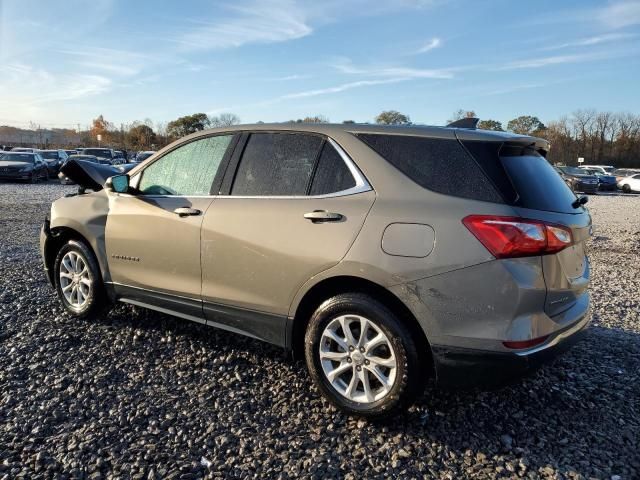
(59, 236)
(332, 286)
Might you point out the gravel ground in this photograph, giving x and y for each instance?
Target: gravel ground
(136, 394)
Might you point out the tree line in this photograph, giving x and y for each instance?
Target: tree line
(599, 137)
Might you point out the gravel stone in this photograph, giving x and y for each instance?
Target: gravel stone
(138, 394)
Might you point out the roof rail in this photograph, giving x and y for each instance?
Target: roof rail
(468, 122)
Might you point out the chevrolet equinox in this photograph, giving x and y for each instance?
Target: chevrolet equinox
(380, 254)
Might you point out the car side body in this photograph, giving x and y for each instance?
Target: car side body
(260, 264)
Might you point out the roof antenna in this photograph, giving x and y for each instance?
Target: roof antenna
(467, 122)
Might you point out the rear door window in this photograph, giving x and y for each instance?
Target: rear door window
(277, 164)
(332, 174)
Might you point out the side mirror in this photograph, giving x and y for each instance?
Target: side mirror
(117, 183)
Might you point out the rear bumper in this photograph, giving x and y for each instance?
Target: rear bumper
(466, 368)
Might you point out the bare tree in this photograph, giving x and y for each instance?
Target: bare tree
(224, 120)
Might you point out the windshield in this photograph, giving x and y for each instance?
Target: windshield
(143, 156)
(50, 155)
(17, 157)
(98, 152)
(574, 171)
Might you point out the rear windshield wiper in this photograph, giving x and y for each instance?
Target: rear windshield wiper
(580, 201)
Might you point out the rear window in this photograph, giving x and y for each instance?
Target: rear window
(538, 184)
(17, 157)
(523, 176)
(438, 164)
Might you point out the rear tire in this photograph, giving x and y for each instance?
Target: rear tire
(626, 188)
(361, 357)
(78, 280)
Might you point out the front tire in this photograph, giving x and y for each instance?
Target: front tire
(78, 280)
(362, 357)
(626, 188)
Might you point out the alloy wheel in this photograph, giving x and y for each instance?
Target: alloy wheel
(358, 359)
(75, 279)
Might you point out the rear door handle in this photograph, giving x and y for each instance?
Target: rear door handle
(319, 216)
(186, 211)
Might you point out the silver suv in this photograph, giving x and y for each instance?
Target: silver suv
(381, 255)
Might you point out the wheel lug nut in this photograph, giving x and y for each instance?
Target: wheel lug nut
(366, 362)
(351, 348)
(358, 368)
(349, 360)
(362, 349)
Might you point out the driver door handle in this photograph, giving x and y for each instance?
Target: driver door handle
(186, 211)
(318, 216)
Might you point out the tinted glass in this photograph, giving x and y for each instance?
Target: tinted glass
(276, 164)
(438, 164)
(187, 170)
(17, 157)
(538, 184)
(573, 171)
(50, 155)
(332, 174)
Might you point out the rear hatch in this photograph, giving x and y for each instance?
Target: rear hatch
(527, 181)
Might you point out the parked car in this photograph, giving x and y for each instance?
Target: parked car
(106, 153)
(621, 173)
(605, 181)
(578, 180)
(630, 184)
(603, 169)
(54, 160)
(142, 156)
(322, 239)
(26, 166)
(25, 149)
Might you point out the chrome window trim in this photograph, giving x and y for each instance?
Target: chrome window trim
(361, 186)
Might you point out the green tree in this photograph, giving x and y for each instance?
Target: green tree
(393, 117)
(490, 125)
(187, 125)
(526, 125)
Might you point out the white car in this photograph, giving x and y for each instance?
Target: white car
(630, 184)
(603, 169)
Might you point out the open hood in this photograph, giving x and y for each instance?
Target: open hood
(88, 174)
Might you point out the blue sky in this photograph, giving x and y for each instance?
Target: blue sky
(64, 62)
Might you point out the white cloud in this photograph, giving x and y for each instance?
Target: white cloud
(430, 45)
(346, 66)
(256, 22)
(340, 88)
(595, 40)
(553, 60)
(621, 14)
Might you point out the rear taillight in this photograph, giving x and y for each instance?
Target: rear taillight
(518, 344)
(509, 237)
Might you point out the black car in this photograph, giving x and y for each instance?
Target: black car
(54, 159)
(24, 166)
(104, 153)
(578, 179)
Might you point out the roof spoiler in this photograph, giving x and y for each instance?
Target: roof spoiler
(468, 122)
